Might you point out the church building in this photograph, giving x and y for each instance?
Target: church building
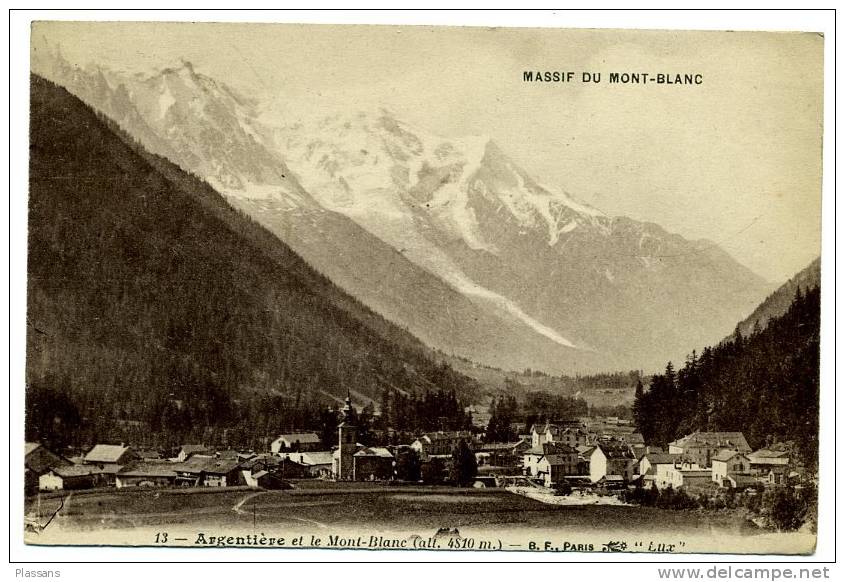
(343, 457)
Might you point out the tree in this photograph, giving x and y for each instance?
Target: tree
(501, 416)
(464, 466)
(786, 509)
(51, 415)
(408, 465)
(765, 385)
(432, 472)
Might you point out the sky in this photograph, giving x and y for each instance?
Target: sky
(735, 160)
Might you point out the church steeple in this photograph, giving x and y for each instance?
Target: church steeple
(348, 411)
(343, 458)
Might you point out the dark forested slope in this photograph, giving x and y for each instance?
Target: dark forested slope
(779, 301)
(155, 308)
(765, 385)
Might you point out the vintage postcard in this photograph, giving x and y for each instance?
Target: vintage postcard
(423, 288)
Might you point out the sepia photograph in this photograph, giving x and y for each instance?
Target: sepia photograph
(394, 287)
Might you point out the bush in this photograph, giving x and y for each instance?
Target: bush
(787, 508)
(563, 488)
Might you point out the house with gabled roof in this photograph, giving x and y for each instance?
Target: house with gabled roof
(570, 432)
(207, 471)
(296, 441)
(681, 474)
(700, 447)
(649, 463)
(38, 460)
(440, 443)
(69, 477)
(771, 464)
(554, 466)
(727, 465)
(316, 463)
(373, 464)
(146, 474)
(612, 459)
(532, 457)
(109, 455)
(186, 451)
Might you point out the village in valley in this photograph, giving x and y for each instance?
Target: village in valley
(578, 461)
(249, 314)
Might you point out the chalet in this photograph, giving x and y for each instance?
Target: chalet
(373, 464)
(149, 455)
(607, 459)
(109, 460)
(701, 447)
(189, 473)
(501, 454)
(649, 463)
(771, 464)
(552, 468)
(282, 467)
(569, 432)
(730, 468)
(221, 473)
(186, 451)
(531, 458)
(584, 454)
(316, 463)
(681, 474)
(572, 434)
(38, 460)
(110, 455)
(207, 471)
(538, 435)
(296, 441)
(263, 479)
(146, 474)
(440, 443)
(69, 477)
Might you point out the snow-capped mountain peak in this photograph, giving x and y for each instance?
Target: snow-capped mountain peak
(359, 193)
(375, 164)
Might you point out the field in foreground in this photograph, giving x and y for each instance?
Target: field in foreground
(361, 505)
(505, 520)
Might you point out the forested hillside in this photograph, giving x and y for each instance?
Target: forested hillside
(779, 301)
(765, 385)
(157, 312)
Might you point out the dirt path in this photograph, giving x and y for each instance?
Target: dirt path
(238, 508)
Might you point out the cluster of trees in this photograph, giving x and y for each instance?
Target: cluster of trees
(460, 470)
(539, 406)
(504, 411)
(784, 508)
(156, 308)
(431, 410)
(536, 406)
(765, 385)
(538, 380)
(667, 498)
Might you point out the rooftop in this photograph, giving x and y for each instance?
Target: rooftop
(768, 454)
(726, 455)
(380, 452)
(301, 437)
(715, 439)
(661, 458)
(106, 453)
